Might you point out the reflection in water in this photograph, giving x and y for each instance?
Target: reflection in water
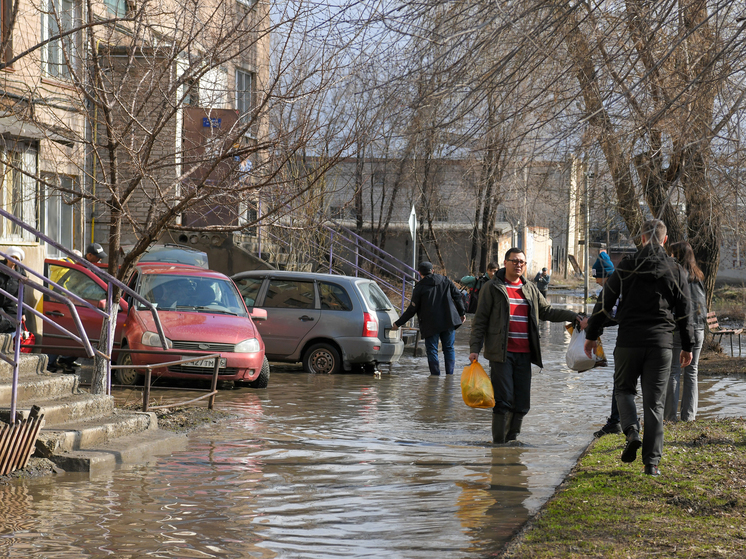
(344, 465)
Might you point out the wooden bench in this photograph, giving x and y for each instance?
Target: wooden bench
(715, 329)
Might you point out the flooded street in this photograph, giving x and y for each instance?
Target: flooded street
(336, 466)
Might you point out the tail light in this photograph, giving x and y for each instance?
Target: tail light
(370, 326)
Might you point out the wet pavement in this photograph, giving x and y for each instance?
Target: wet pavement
(335, 466)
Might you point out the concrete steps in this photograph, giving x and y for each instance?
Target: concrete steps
(82, 432)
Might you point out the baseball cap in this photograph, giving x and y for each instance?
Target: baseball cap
(96, 250)
(425, 268)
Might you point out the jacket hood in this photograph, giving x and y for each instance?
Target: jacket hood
(652, 263)
(432, 279)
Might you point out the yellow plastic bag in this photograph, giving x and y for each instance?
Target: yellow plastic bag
(476, 387)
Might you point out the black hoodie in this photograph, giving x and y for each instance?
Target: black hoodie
(438, 304)
(654, 300)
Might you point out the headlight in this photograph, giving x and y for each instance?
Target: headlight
(248, 346)
(152, 339)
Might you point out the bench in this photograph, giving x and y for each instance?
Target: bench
(716, 331)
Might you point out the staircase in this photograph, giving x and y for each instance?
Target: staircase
(82, 432)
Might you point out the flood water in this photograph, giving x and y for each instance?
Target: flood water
(336, 466)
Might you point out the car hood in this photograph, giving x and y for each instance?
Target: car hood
(201, 327)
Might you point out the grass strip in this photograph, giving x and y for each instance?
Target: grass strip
(605, 508)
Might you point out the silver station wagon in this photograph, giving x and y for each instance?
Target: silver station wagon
(327, 322)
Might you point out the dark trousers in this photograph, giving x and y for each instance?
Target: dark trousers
(511, 382)
(652, 366)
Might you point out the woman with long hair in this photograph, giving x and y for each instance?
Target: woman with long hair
(686, 384)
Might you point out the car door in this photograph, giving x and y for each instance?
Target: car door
(292, 313)
(86, 285)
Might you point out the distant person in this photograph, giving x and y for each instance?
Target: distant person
(474, 284)
(95, 253)
(654, 297)
(10, 284)
(541, 279)
(440, 310)
(603, 267)
(684, 254)
(507, 324)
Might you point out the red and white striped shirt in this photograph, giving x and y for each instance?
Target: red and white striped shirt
(518, 326)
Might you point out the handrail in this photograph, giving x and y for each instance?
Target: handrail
(148, 377)
(64, 297)
(388, 267)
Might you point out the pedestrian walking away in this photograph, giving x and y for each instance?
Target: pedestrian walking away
(507, 325)
(440, 310)
(542, 281)
(474, 284)
(686, 383)
(653, 289)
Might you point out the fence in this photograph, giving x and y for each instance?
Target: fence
(347, 249)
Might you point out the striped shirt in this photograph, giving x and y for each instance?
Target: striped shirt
(518, 326)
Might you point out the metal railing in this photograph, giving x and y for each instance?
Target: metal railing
(149, 372)
(348, 249)
(66, 297)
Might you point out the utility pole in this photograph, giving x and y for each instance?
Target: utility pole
(586, 267)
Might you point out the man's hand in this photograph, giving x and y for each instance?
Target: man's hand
(473, 357)
(685, 358)
(394, 327)
(583, 323)
(590, 348)
(463, 319)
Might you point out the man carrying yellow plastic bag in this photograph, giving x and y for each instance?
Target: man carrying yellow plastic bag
(507, 324)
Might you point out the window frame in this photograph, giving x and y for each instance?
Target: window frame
(243, 98)
(67, 44)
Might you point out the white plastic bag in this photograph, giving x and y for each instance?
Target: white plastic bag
(576, 358)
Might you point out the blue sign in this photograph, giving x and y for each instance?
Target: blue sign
(211, 122)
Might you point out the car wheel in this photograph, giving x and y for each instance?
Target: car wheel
(322, 359)
(127, 377)
(262, 381)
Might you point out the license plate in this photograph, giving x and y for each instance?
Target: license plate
(206, 363)
(392, 334)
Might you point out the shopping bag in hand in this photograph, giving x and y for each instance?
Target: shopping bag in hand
(476, 387)
(575, 357)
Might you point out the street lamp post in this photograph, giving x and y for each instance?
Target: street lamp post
(586, 263)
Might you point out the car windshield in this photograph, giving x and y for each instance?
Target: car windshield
(171, 292)
(375, 298)
(176, 255)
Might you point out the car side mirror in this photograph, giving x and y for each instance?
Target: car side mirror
(123, 306)
(258, 314)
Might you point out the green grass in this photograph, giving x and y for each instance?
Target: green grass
(606, 508)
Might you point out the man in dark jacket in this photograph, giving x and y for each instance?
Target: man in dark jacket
(654, 293)
(507, 324)
(440, 310)
(10, 284)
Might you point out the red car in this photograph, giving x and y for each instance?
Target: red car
(200, 310)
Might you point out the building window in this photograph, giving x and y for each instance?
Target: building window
(18, 193)
(58, 55)
(244, 91)
(249, 3)
(117, 8)
(58, 217)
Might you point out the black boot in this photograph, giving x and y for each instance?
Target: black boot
(499, 427)
(515, 427)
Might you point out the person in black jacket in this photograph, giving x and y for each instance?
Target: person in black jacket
(440, 310)
(655, 298)
(10, 284)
